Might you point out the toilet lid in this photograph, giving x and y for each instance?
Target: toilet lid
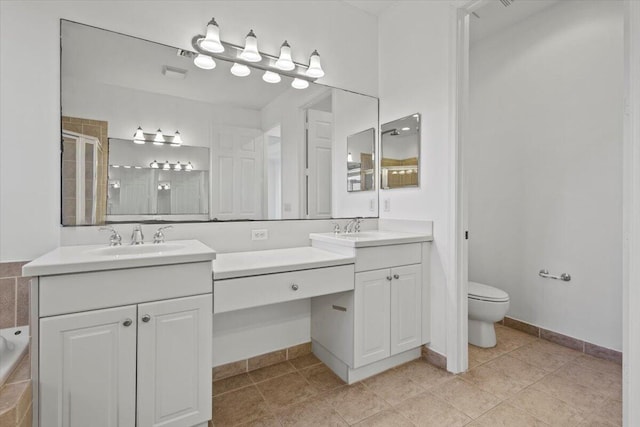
(487, 293)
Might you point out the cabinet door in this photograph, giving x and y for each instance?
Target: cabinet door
(88, 369)
(174, 362)
(372, 317)
(406, 306)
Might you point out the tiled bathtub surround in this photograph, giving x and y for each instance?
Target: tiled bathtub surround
(15, 397)
(523, 381)
(14, 295)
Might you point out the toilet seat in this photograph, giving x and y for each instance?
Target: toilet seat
(482, 292)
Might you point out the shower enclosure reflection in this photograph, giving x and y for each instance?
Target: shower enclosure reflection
(400, 153)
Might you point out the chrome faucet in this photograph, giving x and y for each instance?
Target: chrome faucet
(353, 226)
(336, 227)
(137, 238)
(115, 239)
(159, 236)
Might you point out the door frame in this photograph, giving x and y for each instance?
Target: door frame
(81, 142)
(457, 334)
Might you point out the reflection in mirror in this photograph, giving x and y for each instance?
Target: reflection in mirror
(275, 152)
(360, 160)
(400, 153)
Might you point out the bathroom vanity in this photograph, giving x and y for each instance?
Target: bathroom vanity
(122, 335)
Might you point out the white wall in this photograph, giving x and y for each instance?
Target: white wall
(415, 77)
(545, 160)
(30, 103)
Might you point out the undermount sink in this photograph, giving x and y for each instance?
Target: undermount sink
(136, 249)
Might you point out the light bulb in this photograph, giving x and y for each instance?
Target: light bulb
(349, 157)
(159, 187)
(299, 84)
(177, 140)
(271, 77)
(127, 167)
(250, 52)
(177, 167)
(188, 167)
(115, 166)
(138, 137)
(159, 139)
(204, 61)
(211, 42)
(406, 129)
(154, 164)
(166, 166)
(240, 70)
(315, 69)
(284, 61)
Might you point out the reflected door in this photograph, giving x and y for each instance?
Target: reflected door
(80, 178)
(319, 159)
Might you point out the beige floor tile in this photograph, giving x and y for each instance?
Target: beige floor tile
(239, 406)
(600, 365)
(322, 377)
(607, 383)
(231, 383)
(466, 397)
(393, 387)
(305, 361)
(386, 419)
(272, 371)
(505, 415)
(355, 402)
(516, 369)
(494, 381)
(313, 412)
(609, 414)
(427, 410)
(578, 396)
(270, 421)
(424, 374)
(286, 390)
(545, 355)
(549, 409)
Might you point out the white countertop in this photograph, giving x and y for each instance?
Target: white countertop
(241, 264)
(78, 259)
(371, 238)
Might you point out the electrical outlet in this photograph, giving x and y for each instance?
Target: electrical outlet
(262, 234)
(387, 205)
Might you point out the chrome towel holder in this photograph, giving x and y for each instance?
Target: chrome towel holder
(565, 277)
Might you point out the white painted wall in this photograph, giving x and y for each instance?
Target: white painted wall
(30, 102)
(544, 163)
(415, 77)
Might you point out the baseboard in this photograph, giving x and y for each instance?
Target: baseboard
(434, 358)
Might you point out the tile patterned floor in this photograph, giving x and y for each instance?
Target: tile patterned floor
(523, 381)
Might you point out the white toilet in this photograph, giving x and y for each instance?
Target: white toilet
(487, 305)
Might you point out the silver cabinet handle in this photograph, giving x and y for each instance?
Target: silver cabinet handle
(396, 276)
(127, 322)
(295, 287)
(389, 278)
(146, 318)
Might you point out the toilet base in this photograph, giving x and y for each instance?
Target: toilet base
(482, 334)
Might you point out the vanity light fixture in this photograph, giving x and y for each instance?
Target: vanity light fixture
(138, 137)
(211, 42)
(177, 140)
(154, 165)
(177, 167)
(284, 61)
(204, 61)
(299, 84)
(115, 166)
(188, 167)
(127, 167)
(159, 139)
(240, 70)
(250, 52)
(349, 158)
(315, 69)
(166, 166)
(271, 77)
(406, 129)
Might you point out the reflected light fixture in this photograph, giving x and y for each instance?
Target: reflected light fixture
(315, 69)
(211, 42)
(177, 140)
(406, 129)
(159, 139)
(250, 52)
(177, 167)
(271, 77)
(240, 70)
(138, 137)
(188, 167)
(349, 157)
(204, 61)
(166, 166)
(154, 164)
(299, 84)
(284, 61)
(115, 166)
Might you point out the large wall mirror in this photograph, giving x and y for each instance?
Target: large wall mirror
(211, 146)
(400, 153)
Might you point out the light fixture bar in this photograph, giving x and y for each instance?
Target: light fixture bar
(267, 63)
(168, 139)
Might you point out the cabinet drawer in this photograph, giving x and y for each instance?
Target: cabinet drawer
(254, 291)
(375, 258)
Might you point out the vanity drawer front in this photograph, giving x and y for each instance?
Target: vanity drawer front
(71, 293)
(377, 257)
(255, 291)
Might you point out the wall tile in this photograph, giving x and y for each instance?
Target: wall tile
(22, 305)
(7, 303)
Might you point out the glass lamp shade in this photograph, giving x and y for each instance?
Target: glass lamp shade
(240, 70)
(177, 167)
(166, 166)
(177, 140)
(315, 69)
(138, 137)
(159, 139)
(349, 158)
(284, 61)
(211, 42)
(299, 84)
(250, 52)
(154, 165)
(188, 167)
(204, 61)
(271, 77)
